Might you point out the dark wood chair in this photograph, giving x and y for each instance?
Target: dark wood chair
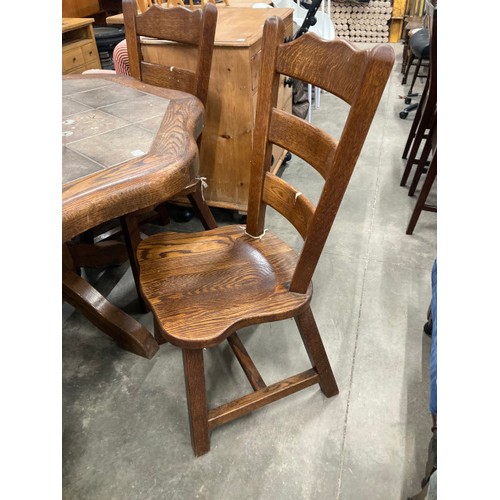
(421, 132)
(192, 28)
(202, 287)
(423, 138)
(421, 204)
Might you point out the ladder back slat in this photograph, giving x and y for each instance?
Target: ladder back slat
(289, 202)
(180, 25)
(302, 139)
(172, 78)
(340, 76)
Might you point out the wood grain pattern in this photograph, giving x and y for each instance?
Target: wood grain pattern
(307, 141)
(258, 399)
(246, 362)
(179, 25)
(191, 275)
(194, 377)
(122, 328)
(289, 202)
(194, 28)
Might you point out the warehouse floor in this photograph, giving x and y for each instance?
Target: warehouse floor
(125, 427)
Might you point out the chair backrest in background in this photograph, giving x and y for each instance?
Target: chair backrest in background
(195, 29)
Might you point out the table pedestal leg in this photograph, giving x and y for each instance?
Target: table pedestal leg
(128, 333)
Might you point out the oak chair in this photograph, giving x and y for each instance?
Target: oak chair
(202, 287)
(194, 29)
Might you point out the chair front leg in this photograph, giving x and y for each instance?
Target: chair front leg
(194, 376)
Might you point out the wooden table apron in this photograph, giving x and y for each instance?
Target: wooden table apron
(170, 165)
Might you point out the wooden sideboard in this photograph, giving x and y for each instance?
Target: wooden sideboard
(79, 49)
(230, 115)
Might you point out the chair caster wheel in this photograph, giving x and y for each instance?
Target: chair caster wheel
(288, 157)
(407, 100)
(184, 214)
(403, 114)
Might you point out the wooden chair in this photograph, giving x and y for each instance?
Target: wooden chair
(179, 25)
(425, 121)
(202, 287)
(191, 28)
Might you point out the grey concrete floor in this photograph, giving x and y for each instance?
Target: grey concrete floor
(125, 427)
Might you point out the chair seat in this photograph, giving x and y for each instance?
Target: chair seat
(202, 287)
(420, 44)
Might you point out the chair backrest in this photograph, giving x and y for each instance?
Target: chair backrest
(192, 28)
(144, 5)
(358, 77)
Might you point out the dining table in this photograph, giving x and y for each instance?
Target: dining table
(126, 146)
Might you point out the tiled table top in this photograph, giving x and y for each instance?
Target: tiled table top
(105, 124)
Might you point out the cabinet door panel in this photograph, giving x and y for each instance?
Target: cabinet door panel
(90, 53)
(72, 58)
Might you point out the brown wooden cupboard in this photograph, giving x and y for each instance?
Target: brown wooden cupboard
(79, 49)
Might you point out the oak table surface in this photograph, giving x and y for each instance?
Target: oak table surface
(126, 146)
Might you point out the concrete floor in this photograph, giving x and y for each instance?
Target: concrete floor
(125, 427)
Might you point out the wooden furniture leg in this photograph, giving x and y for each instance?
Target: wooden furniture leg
(424, 125)
(132, 235)
(246, 362)
(422, 198)
(194, 376)
(416, 120)
(201, 208)
(316, 352)
(407, 69)
(424, 160)
(128, 333)
(102, 254)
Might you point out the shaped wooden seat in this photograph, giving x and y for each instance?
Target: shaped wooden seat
(202, 287)
(251, 277)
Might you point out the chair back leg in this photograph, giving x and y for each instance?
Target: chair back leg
(422, 198)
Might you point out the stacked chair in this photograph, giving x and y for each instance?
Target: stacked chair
(421, 146)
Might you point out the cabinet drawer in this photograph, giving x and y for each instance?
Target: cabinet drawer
(90, 53)
(72, 58)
